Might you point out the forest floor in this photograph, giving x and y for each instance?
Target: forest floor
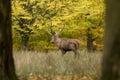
(53, 66)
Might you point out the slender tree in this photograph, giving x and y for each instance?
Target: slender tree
(7, 68)
(111, 58)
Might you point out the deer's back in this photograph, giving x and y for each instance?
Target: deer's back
(69, 44)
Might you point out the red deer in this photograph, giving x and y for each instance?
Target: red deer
(64, 44)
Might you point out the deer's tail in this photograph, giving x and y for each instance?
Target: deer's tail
(77, 43)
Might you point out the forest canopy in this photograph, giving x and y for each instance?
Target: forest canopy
(83, 20)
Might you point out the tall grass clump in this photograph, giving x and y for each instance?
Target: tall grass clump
(53, 63)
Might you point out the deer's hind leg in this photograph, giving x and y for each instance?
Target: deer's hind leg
(76, 53)
(74, 49)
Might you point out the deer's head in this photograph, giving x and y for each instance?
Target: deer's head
(55, 35)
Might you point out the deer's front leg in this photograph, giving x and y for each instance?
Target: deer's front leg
(63, 52)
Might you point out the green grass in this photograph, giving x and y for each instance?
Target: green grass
(53, 63)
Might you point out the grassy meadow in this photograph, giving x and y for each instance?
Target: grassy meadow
(53, 66)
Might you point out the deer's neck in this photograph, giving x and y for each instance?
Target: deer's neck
(57, 41)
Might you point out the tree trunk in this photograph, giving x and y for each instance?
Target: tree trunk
(25, 40)
(90, 46)
(111, 58)
(7, 68)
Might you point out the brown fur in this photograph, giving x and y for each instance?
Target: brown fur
(66, 44)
